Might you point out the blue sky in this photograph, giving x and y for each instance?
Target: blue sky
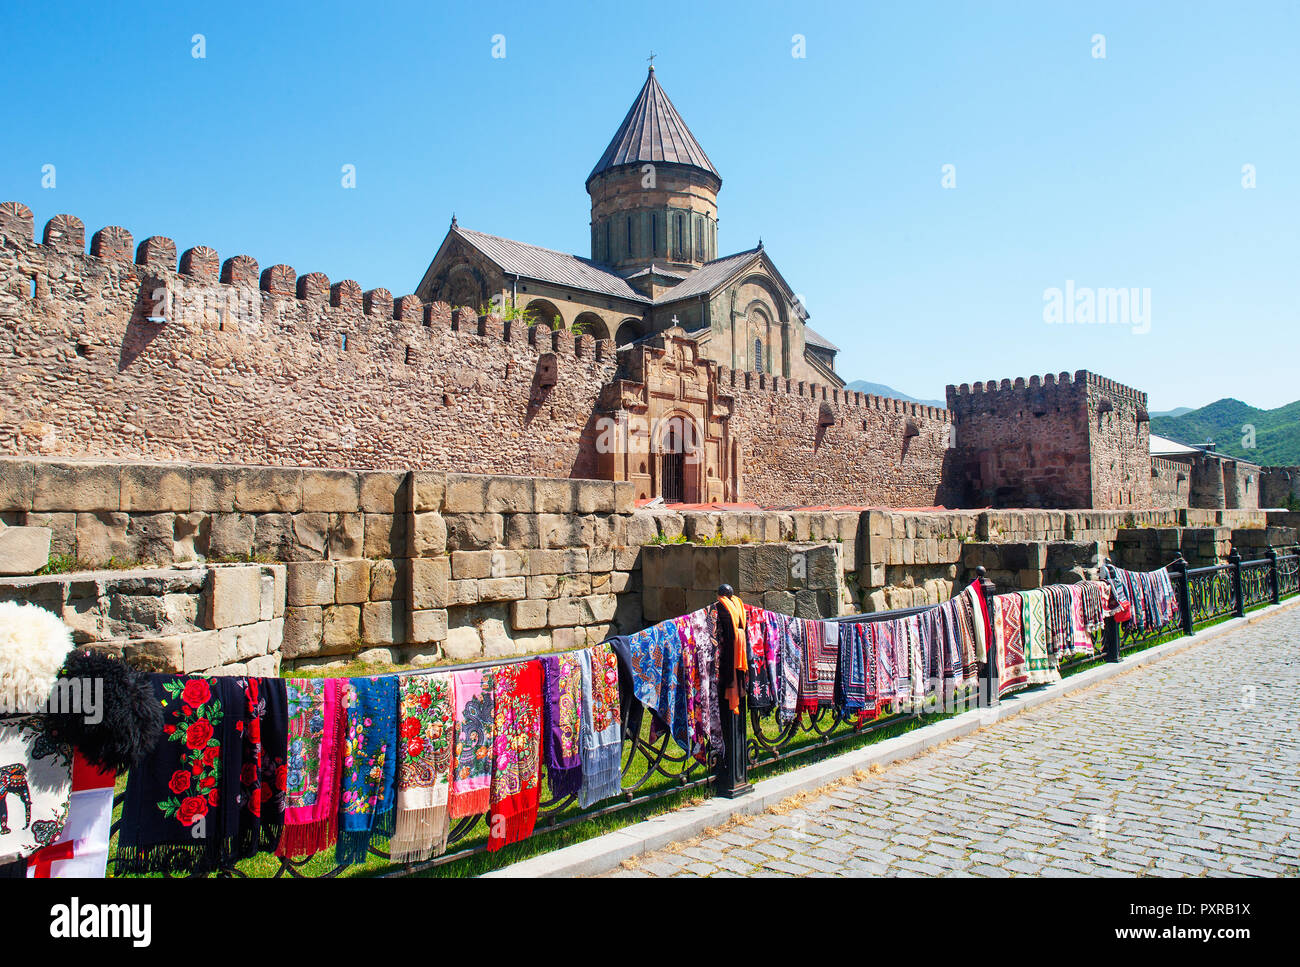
(1117, 172)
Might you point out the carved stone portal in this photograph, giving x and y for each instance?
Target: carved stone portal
(664, 426)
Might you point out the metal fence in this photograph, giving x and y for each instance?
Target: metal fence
(654, 767)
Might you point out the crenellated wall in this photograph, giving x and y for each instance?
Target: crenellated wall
(270, 367)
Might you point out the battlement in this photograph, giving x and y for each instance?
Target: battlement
(765, 382)
(65, 235)
(1052, 381)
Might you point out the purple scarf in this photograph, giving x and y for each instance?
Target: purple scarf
(562, 723)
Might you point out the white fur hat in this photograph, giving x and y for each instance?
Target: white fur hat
(33, 646)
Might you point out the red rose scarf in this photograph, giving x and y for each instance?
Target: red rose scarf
(212, 791)
(515, 772)
(426, 741)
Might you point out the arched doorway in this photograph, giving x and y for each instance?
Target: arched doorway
(544, 312)
(629, 331)
(677, 458)
(590, 324)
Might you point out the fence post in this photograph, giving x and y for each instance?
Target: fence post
(1274, 585)
(733, 757)
(1179, 566)
(992, 674)
(1238, 598)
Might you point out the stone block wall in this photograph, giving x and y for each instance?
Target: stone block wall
(803, 579)
(224, 619)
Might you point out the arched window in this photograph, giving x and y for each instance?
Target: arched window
(758, 355)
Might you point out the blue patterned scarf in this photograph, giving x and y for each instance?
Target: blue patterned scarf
(367, 800)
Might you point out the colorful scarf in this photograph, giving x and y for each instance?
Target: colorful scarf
(516, 770)
(370, 753)
(735, 665)
(264, 771)
(704, 632)
(763, 658)
(654, 660)
(36, 774)
(885, 653)
(792, 652)
(692, 690)
(915, 658)
(472, 776)
(314, 748)
(562, 723)
(427, 736)
(602, 728)
(851, 683)
(182, 809)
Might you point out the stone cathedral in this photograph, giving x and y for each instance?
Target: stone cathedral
(654, 261)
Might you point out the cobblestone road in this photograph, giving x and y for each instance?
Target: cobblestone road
(1188, 767)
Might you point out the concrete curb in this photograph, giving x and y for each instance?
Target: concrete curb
(606, 852)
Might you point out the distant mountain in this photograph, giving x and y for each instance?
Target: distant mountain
(1277, 432)
(880, 389)
(1178, 412)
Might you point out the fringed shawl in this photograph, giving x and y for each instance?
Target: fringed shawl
(370, 752)
(810, 684)
(691, 690)
(314, 750)
(602, 727)
(654, 658)
(886, 662)
(562, 723)
(182, 807)
(472, 770)
(518, 753)
(426, 741)
(264, 771)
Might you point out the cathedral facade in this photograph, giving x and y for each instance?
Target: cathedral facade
(654, 262)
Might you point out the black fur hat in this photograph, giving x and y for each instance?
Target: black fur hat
(130, 718)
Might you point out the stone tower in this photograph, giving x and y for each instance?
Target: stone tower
(654, 192)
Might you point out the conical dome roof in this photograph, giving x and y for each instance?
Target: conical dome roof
(653, 131)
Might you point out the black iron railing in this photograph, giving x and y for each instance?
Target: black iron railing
(655, 767)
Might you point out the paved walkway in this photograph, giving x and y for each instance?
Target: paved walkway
(1185, 768)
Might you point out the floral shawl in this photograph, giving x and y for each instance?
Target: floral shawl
(316, 726)
(426, 738)
(654, 659)
(37, 790)
(515, 773)
(182, 807)
(692, 692)
(562, 723)
(602, 728)
(472, 771)
(370, 752)
(263, 772)
(762, 658)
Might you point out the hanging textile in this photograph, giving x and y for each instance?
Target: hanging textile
(884, 634)
(562, 723)
(367, 798)
(602, 728)
(314, 749)
(263, 772)
(851, 686)
(763, 659)
(704, 632)
(35, 789)
(472, 770)
(81, 851)
(792, 655)
(653, 658)
(182, 809)
(1013, 673)
(735, 666)
(691, 691)
(426, 740)
(517, 716)
(1039, 660)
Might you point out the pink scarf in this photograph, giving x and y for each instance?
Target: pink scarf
(315, 739)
